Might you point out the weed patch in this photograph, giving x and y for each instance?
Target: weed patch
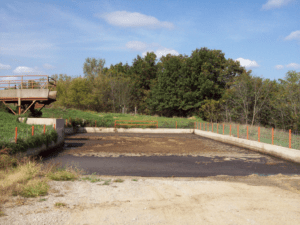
(61, 176)
(119, 181)
(107, 182)
(34, 189)
(60, 204)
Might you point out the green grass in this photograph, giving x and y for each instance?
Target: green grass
(92, 119)
(134, 179)
(25, 140)
(281, 137)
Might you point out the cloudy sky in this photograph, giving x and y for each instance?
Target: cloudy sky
(49, 37)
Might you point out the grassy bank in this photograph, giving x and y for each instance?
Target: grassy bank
(92, 119)
(25, 140)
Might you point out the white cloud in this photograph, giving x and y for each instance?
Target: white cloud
(247, 63)
(128, 19)
(162, 52)
(293, 36)
(279, 67)
(136, 45)
(272, 4)
(293, 65)
(48, 66)
(5, 67)
(27, 70)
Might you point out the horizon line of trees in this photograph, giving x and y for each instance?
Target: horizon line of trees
(205, 84)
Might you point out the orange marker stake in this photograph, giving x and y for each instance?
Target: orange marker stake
(247, 133)
(290, 138)
(32, 130)
(54, 126)
(16, 134)
(272, 136)
(44, 129)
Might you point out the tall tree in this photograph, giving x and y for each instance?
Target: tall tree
(142, 72)
(183, 83)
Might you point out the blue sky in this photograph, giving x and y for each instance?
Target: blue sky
(55, 37)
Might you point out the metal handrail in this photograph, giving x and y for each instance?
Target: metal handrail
(21, 83)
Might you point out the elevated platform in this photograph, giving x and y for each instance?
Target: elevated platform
(27, 91)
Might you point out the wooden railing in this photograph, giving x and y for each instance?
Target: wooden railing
(22, 82)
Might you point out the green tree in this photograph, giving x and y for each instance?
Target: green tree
(183, 83)
(211, 110)
(142, 73)
(79, 94)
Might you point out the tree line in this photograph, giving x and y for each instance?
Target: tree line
(205, 84)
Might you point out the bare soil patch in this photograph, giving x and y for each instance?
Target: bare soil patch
(115, 145)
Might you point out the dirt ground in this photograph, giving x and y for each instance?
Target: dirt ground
(114, 145)
(212, 200)
(218, 199)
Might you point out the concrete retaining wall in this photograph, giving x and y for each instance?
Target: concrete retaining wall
(133, 130)
(289, 154)
(60, 128)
